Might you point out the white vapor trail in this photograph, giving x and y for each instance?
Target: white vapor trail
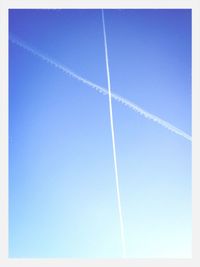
(100, 89)
(113, 141)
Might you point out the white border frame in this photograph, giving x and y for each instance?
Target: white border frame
(5, 5)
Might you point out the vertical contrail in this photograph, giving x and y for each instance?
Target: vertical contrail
(113, 141)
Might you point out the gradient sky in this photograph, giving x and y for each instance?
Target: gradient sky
(62, 195)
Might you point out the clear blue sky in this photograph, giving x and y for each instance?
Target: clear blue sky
(62, 195)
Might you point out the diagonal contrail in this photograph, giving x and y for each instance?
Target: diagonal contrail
(100, 89)
(113, 141)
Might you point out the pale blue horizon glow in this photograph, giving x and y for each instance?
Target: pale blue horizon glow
(62, 193)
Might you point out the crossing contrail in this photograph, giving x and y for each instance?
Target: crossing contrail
(100, 89)
(113, 141)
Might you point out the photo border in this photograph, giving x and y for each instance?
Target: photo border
(5, 5)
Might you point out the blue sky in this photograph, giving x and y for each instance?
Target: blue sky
(62, 195)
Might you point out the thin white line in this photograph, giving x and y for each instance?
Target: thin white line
(113, 141)
(101, 90)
